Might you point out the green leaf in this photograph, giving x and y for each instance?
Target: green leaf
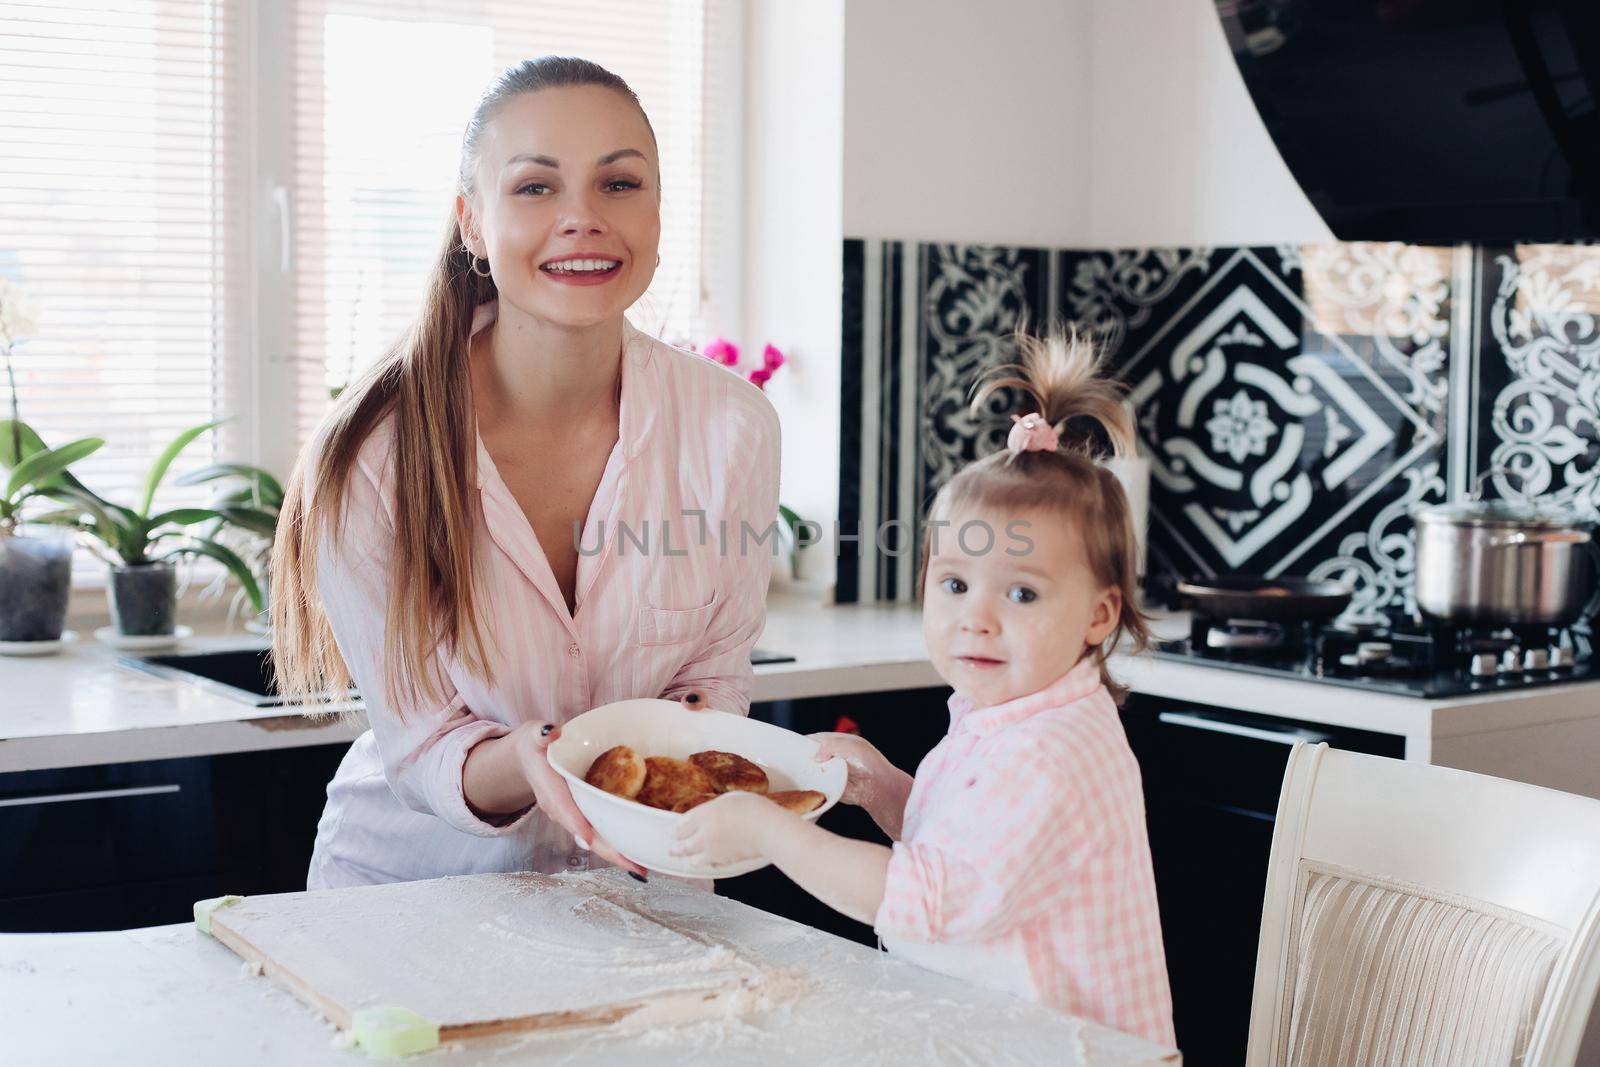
(262, 483)
(256, 520)
(31, 443)
(181, 517)
(229, 559)
(40, 467)
(158, 470)
(60, 517)
(244, 495)
(85, 501)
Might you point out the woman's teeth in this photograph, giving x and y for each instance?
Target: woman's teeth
(582, 266)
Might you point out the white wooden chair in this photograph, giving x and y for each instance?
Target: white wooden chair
(1420, 915)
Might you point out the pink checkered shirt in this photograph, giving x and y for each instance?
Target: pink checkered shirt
(1025, 863)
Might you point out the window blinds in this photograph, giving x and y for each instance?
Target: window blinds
(119, 175)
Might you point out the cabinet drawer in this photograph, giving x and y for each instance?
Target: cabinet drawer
(1230, 760)
(91, 827)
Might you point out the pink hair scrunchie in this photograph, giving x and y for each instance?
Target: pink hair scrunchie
(1030, 433)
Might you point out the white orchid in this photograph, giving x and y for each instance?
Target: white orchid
(17, 317)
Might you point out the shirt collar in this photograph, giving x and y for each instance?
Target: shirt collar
(637, 415)
(1077, 683)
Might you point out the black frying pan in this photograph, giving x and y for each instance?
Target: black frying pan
(1250, 596)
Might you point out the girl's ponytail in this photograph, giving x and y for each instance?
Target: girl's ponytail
(1059, 373)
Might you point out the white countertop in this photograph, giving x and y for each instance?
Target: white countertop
(79, 708)
(173, 995)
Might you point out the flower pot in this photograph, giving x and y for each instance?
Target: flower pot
(143, 599)
(35, 579)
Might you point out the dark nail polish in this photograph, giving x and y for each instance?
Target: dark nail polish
(544, 731)
(638, 878)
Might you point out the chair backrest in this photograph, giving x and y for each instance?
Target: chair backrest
(1424, 915)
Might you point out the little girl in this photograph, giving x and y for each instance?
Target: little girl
(1020, 858)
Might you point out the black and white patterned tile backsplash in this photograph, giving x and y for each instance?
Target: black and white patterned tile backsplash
(1296, 402)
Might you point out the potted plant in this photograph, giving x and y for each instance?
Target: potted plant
(35, 568)
(142, 591)
(247, 504)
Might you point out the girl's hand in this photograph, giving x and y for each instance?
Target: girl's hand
(868, 769)
(551, 794)
(733, 827)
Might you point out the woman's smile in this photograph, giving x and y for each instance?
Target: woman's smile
(581, 269)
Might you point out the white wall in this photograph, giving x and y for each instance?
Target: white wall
(1180, 156)
(1067, 123)
(1073, 123)
(793, 79)
(967, 121)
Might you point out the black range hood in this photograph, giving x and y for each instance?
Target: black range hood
(1431, 121)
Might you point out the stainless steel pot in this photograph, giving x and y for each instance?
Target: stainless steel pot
(1503, 562)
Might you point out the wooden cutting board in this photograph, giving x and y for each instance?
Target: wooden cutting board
(485, 954)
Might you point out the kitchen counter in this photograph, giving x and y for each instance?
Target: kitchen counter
(80, 708)
(173, 995)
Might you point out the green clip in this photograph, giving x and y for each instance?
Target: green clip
(388, 1033)
(203, 910)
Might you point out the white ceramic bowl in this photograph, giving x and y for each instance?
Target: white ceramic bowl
(664, 728)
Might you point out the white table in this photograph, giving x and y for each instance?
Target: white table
(171, 995)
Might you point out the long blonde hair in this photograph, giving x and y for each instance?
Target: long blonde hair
(423, 382)
(1059, 376)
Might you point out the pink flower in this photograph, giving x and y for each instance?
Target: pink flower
(759, 377)
(771, 358)
(723, 351)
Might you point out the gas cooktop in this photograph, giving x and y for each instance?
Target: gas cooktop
(1391, 655)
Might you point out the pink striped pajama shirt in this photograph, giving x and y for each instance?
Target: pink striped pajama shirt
(1024, 862)
(680, 613)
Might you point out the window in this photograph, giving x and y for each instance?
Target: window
(226, 208)
(120, 186)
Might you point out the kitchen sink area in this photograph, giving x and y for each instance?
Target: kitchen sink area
(242, 674)
(247, 676)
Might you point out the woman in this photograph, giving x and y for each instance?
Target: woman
(429, 546)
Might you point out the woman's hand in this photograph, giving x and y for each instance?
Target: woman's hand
(551, 794)
(735, 826)
(868, 769)
(692, 699)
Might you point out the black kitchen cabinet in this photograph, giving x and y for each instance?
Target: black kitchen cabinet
(1211, 784)
(135, 844)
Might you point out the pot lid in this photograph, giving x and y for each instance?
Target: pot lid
(1521, 514)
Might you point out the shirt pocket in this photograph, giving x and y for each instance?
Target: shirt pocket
(671, 626)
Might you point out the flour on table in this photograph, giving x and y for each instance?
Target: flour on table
(481, 948)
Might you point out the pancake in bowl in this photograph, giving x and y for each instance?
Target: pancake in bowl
(619, 771)
(671, 782)
(731, 773)
(799, 801)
